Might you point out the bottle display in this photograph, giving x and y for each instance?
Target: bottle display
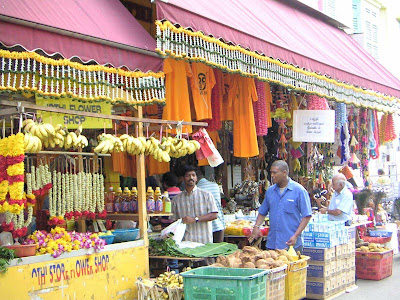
(158, 201)
(150, 203)
(134, 201)
(109, 197)
(126, 200)
(118, 201)
(167, 203)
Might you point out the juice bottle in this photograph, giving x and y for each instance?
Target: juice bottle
(150, 203)
(159, 202)
(134, 202)
(118, 201)
(110, 196)
(126, 200)
(167, 203)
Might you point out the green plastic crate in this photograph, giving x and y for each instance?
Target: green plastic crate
(208, 283)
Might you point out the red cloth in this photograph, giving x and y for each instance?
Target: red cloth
(260, 110)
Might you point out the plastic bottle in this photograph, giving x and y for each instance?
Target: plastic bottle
(292, 253)
(110, 196)
(134, 201)
(118, 201)
(159, 202)
(150, 203)
(167, 203)
(126, 200)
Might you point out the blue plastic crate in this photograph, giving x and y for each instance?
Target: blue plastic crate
(380, 233)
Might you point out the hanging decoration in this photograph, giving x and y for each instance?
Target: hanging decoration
(382, 130)
(181, 43)
(281, 114)
(390, 133)
(29, 72)
(260, 110)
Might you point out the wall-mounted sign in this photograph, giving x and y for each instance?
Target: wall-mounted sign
(73, 121)
(314, 126)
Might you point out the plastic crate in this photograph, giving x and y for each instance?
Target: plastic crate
(377, 240)
(374, 265)
(208, 283)
(296, 279)
(380, 233)
(276, 283)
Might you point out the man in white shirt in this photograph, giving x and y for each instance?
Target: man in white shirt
(341, 204)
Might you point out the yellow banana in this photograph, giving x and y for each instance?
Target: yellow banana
(43, 131)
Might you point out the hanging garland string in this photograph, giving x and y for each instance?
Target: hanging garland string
(29, 72)
(181, 43)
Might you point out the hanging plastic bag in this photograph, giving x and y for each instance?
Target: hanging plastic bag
(178, 229)
(207, 149)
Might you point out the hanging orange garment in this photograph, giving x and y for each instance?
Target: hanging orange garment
(244, 130)
(202, 82)
(177, 104)
(229, 91)
(155, 167)
(215, 138)
(124, 164)
(268, 99)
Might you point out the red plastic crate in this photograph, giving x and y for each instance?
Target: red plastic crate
(377, 240)
(374, 265)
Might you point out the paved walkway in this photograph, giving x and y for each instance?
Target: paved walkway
(386, 289)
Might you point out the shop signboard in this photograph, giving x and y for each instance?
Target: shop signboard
(73, 121)
(314, 126)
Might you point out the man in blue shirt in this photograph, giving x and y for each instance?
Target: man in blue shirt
(341, 204)
(289, 208)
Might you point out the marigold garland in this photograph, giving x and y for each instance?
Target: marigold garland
(181, 43)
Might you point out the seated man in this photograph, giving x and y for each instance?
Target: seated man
(341, 204)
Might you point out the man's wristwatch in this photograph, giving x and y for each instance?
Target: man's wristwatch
(197, 219)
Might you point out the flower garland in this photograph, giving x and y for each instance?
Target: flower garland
(181, 43)
(64, 78)
(59, 241)
(12, 167)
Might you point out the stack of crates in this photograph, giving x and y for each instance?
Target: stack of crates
(331, 270)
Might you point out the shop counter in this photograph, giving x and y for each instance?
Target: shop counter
(82, 274)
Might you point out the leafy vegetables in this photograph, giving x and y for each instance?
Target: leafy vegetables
(6, 255)
(166, 247)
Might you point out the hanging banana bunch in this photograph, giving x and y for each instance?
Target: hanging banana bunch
(75, 139)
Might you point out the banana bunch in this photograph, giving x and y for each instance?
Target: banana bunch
(170, 280)
(153, 147)
(75, 139)
(32, 143)
(109, 143)
(57, 139)
(41, 130)
(182, 147)
(132, 145)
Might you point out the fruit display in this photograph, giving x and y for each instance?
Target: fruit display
(243, 228)
(168, 285)
(372, 247)
(252, 257)
(105, 233)
(45, 135)
(162, 151)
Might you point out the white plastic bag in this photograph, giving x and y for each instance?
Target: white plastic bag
(178, 229)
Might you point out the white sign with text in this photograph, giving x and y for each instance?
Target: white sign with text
(314, 126)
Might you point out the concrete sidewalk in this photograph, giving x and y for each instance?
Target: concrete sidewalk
(386, 289)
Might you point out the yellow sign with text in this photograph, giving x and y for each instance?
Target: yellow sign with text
(73, 121)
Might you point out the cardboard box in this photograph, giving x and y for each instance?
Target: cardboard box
(351, 232)
(320, 254)
(340, 264)
(308, 244)
(350, 261)
(318, 290)
(320, 272)
(339, 250)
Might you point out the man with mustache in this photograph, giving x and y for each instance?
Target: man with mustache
(289, 208)
(196, 208)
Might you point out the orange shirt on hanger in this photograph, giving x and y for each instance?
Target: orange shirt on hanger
(244, 129)
(202, 82)
(177, 104)
(230, 89)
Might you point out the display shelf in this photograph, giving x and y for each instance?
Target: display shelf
(132, 217)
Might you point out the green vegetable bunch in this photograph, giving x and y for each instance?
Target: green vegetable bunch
(6, 255)
(166, 247)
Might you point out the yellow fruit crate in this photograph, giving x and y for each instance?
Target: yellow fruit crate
(296, 279)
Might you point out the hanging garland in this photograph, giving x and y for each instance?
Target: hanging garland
(181, 43)
(30, 72)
